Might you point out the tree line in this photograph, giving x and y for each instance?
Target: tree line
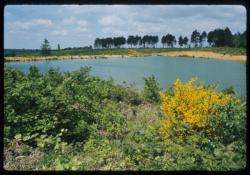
(215, 38)
(220, 38)
(109, 42)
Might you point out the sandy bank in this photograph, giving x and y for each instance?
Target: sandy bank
(193, 54)
(205, 54)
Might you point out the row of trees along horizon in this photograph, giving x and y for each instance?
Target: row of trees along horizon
(216, 38)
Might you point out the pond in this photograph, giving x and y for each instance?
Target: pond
(165, 69)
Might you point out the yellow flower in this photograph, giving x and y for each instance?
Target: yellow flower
(191, 104)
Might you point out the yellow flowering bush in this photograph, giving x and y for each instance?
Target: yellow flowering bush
(190, 106)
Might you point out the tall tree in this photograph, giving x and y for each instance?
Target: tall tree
(104, 43)
(180, 41)
(195, 38)
(155, 40)
(119, 41)
(140, 41)
(228, 37)
(144, 40)
(130, 40)
(203, 37)
(98, 43)
(243, 40)
(210, 37)
(110, 42)
(45, 47)
(170, 40)
(220, 37)
(239, 39)
(185, 41)
(137, 40)
(152, 40)
(163, 41)
(122, 40)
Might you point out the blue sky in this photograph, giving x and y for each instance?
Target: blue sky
(25, 26)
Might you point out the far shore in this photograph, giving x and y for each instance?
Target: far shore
(192, 54)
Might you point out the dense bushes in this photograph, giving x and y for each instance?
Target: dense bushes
(42, 105)
(74, 121)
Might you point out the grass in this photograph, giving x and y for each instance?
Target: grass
(226, 53)
(222, 50)
(18, 156)
(125, 51)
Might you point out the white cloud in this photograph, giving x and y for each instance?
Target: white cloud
(69, 21)
(161, 19)
(73, 8)
(72, 21)
(90, 36)
(75, 25)
(59, 32)
(80, 29)
(42, 22)
(111, 21)
(83, 9)
(20, 25)
(29, 24)
(82, 23)
(178, 20)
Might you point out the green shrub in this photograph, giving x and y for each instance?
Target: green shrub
(152, 89)
(40, 104)
(229, 91)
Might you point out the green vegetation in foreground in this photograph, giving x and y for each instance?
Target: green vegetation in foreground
(75, 121)
(123, 51)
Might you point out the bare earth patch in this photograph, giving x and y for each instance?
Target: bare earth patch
(206, 54)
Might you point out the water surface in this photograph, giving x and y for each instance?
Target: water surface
(165, 69)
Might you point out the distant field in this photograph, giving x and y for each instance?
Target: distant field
(122, 51)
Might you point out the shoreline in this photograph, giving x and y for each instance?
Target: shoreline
(190, 54)
(206, 54)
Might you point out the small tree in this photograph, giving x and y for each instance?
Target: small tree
(152, 89)
(58, 47)
(34, 72)
(46, 49)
